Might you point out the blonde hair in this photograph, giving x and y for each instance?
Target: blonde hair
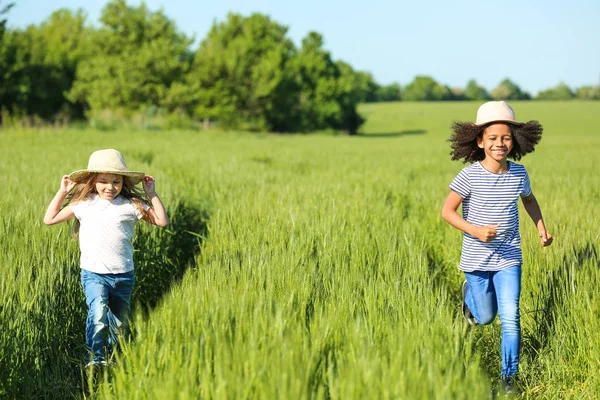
(87, 187)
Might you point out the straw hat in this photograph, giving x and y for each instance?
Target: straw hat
(496, 111)
(107, 161)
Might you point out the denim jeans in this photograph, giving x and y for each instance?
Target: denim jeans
(108, 299)
(491, 292)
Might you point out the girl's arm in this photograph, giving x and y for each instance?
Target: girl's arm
(485, 233)
(533, 209)
(54, 214)
(157, 214)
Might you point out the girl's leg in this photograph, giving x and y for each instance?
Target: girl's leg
(119, 306)
(96, 298)
(508, 289)
(480, 296)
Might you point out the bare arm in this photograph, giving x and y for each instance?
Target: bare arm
(54, 214)
(533, 209)
(157, 214)
(485, 233)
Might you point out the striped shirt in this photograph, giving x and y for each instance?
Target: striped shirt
(490, 199)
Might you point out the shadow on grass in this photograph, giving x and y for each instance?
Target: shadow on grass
(485, 343)
(392, 134)
(162, 256)
(559, 284)
(45, 349)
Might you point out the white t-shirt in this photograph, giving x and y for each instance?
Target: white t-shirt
(488, 199)
(105, 233)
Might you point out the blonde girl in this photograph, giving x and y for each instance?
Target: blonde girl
(106, 203)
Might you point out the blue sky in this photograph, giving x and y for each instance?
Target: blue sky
(535, 43)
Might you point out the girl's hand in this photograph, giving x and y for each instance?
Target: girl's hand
(149, 187)
(546, 238)
(486, 233)
(66, 185)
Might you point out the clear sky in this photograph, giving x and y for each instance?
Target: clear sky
(535, 43)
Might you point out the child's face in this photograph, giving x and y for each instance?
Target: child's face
(496, 142)
(108, 186)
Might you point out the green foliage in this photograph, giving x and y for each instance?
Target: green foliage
(39, 64)
(369, 91)
(135, 56)
(28, 84)
(329, 91)
(588, 93)
(350, 90)
(391, 92)
(367, 87)
(425, 88)
(475, 92)
(560, 92)
(66, 37)
(317, 75)
(240, 73)
(248, 74)
(4, 10)
(508, 90)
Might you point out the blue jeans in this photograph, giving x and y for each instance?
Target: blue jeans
(491, 292)
(108, 299)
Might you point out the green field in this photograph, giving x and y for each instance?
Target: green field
(304, 266)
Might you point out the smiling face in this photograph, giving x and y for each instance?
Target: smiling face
(108, 186)
(496, 142)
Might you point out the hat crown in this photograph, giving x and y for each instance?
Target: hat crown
(108, 159)
(495, 111)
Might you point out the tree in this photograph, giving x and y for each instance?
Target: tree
(3, 66)
(65, 39)
(560, 92)
(39, 66)
(240, 75)
(329, 91)
(588, 93)
(26, 80)
(508, 90)
(4, 10)
(475, 92)
(425, 88)
(350, 91)
(455, 93)
(369, 89)
(391, 92)
(317, 75)
(134, 59)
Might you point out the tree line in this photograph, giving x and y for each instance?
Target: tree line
(246, 73)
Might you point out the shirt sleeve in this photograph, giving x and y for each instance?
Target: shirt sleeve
(78, 208)
(461, 184)
(526, 185)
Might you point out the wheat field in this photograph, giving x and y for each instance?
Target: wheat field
(303, 266)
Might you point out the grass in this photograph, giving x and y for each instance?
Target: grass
(304, 266)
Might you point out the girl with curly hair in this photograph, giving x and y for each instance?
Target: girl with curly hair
(489, 189)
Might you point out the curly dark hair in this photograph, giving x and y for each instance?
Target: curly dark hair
(464, 140)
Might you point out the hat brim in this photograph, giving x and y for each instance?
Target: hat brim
(508, 121)
(79, 176)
